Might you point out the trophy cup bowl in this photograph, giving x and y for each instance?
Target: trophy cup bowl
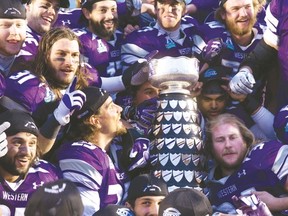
(174, 74)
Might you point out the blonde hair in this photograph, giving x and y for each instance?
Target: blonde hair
(231, 119)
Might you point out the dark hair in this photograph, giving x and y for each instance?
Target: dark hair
(231, 119)
(258, 5)
(41, 68)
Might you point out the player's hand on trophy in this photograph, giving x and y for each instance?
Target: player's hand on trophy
(71, 101)
(3, 138)
(138, 72)
(242, 82)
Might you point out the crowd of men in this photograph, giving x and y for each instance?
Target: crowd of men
(77, 109)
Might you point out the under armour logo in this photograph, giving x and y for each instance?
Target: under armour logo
(243, 173)
(67, 22)
(35, 185)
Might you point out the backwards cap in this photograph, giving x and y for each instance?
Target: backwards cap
(185, 202)
(146, 185)
(20, 122)
(95, 98)
(12, 9)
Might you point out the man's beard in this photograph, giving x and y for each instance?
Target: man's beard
(121, 130)
(8, 164)
(99, 29)
(53, 81)
(234, 29)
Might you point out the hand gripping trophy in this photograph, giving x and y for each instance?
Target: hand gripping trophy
(177, 144)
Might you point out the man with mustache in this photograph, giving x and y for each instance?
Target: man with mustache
(101, 39)
(21, 171)
(244, 167)
(84, 158)
(236, 32)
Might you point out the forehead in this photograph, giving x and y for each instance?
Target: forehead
(224, 129)
(106, 3)
(150, 198)
(170, 2)
(2, 20)
(66, 44)
(54, 2)
(237, 3)
(23, 135)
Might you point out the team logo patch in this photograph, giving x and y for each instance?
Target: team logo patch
(163, 104)
(195, 159)
(180, 142)
(168, 116)
(189, 175)
(170, 142)
(160, 143)
(166, 175)
(163, 158)
(186, 159)
(178, 175)
(182, 104)
(173, 103)
(156, 129)
(177, 115)
(166, 128)
(175, 158)
(176, 128)
(160, 116)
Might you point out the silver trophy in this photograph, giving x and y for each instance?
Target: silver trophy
(177, 144)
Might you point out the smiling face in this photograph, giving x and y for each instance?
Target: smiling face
(228, 147)
(169, 14)
(42, 14)
(21, 154)
(240, 16)
(103, 18)
(64, 60)
(12, 36)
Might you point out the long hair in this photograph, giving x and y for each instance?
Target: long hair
(231, 119)
(41, 67)
(81, 129)
(257, 4)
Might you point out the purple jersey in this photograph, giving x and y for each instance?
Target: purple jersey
(101, 54)
(234, 54)
(14, 196)
(141, 42)
(90, 167)
(276, 34)
(69, 18)
(264, 169)
(27, 90)
(28, 51)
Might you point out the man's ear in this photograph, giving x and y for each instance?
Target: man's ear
(127, 204)
(95, 121)
(86, 13)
